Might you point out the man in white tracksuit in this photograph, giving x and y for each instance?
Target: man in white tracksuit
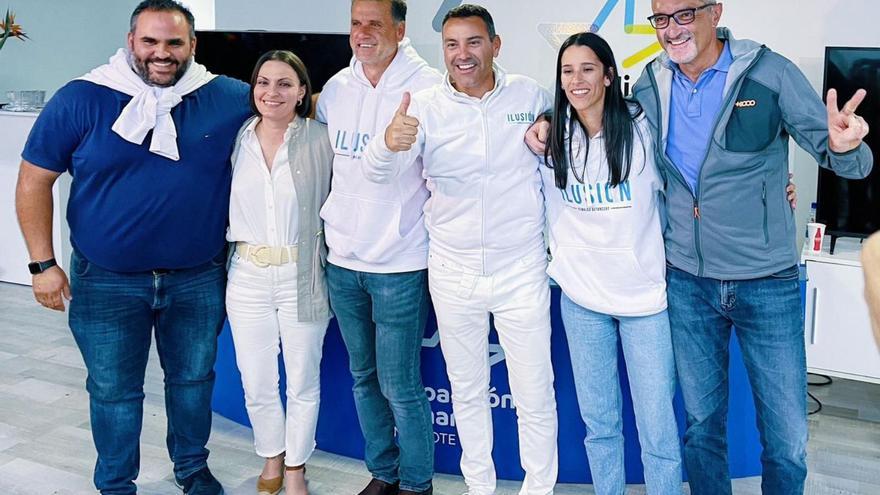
(485, 219)
(378, 251)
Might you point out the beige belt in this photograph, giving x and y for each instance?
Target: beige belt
(264, 256)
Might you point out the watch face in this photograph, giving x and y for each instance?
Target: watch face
(38, 267)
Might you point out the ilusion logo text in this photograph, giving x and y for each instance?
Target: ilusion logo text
(351, 143)
(520, 118)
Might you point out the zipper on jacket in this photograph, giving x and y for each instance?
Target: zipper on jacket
(697, 248)
(678, 175)
(764, 202)
(483, 189)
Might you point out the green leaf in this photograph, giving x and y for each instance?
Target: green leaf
(7, 28)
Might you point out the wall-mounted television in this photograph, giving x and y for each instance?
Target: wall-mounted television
(851, 208)
(234, 53)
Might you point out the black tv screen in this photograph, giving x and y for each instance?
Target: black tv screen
(851, 208)
(234, 53)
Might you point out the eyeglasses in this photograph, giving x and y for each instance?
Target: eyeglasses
(682, 17)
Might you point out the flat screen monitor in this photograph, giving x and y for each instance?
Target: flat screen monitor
(234, 53)
(851, 208)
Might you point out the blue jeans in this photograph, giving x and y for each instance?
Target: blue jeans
(767, 316)
(382, 320)
(112, 317)
(647, 348)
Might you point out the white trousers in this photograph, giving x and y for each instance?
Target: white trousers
(519, 299)
(261, 306)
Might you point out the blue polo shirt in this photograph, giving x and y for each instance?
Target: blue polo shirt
(694, 108)
(132, 210)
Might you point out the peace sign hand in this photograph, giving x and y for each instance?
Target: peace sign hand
(846, 130)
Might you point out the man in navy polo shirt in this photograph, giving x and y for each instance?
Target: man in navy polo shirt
(146, 139)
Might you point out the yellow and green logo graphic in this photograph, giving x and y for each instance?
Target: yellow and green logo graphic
(555, 33)
(629, 27)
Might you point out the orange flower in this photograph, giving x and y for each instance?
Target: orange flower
(10, 29)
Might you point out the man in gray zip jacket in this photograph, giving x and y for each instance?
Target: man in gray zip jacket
(722, 111)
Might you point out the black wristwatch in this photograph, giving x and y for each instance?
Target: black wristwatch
(38, 267)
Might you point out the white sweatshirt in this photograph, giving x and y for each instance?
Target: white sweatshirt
(486, 208)
(370, 227)
(606, 243)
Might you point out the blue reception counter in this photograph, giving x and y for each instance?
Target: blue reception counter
(338, 430)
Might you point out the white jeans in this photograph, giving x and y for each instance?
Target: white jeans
(519, 298)
(261, 305)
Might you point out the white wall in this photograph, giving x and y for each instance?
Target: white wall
(203, 11)
(67, 39)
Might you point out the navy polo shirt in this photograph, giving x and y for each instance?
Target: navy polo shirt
(132, 210)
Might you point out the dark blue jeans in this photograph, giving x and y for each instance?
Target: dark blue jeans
(112, 316)
(382, 320)
(767, 317)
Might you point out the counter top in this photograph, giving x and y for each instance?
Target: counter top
(8, 113)
(847, 251)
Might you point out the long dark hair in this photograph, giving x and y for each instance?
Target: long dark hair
(618, 117)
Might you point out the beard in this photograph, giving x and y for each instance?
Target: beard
(142, 69)
(685, 56)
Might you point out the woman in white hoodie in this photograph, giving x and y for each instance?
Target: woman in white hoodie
(602, 192)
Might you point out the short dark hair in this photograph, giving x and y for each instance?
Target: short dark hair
(398, 9)
(163, 6)
(304, 108)
(470, 10)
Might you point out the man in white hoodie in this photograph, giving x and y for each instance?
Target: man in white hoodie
(378, 250)
(485, 219)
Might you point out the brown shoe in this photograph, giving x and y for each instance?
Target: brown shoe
(269, 487)
(379, 487)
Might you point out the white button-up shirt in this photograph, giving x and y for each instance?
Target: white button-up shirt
(263, 204)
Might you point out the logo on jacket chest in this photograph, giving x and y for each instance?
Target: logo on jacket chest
(520, 118)
(350, 143)
(745, 103)
(597, 197)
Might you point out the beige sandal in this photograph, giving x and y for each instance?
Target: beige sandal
(270, 486)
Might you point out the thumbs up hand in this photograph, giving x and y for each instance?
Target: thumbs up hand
(403, 129)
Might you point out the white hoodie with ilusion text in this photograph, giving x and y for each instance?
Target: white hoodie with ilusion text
(371, 227)
(606, 242)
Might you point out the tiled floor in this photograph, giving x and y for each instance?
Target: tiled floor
(46, 447)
